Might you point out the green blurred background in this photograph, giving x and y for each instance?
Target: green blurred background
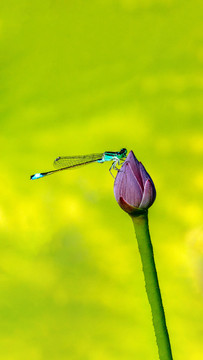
(87, 76)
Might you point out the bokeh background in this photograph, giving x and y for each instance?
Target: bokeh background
(78, 77)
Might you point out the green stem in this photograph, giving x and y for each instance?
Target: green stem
(152, 285)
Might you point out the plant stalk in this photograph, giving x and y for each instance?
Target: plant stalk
(140, 222)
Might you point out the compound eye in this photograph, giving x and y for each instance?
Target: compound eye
(123, 151)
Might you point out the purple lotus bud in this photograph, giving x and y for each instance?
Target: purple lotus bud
(133, 187)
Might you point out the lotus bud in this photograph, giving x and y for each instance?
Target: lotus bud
(134, 189)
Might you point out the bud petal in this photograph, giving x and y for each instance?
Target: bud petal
(135, 165)
(128, 186)
(126, 207)
(148, 195)
(144, 174)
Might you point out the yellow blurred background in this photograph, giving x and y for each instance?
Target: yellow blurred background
(78, 77)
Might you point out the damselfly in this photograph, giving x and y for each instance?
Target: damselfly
(71, 162)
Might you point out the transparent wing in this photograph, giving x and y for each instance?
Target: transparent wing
(73, 161)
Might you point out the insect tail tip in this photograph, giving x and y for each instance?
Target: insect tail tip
(36, 176)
